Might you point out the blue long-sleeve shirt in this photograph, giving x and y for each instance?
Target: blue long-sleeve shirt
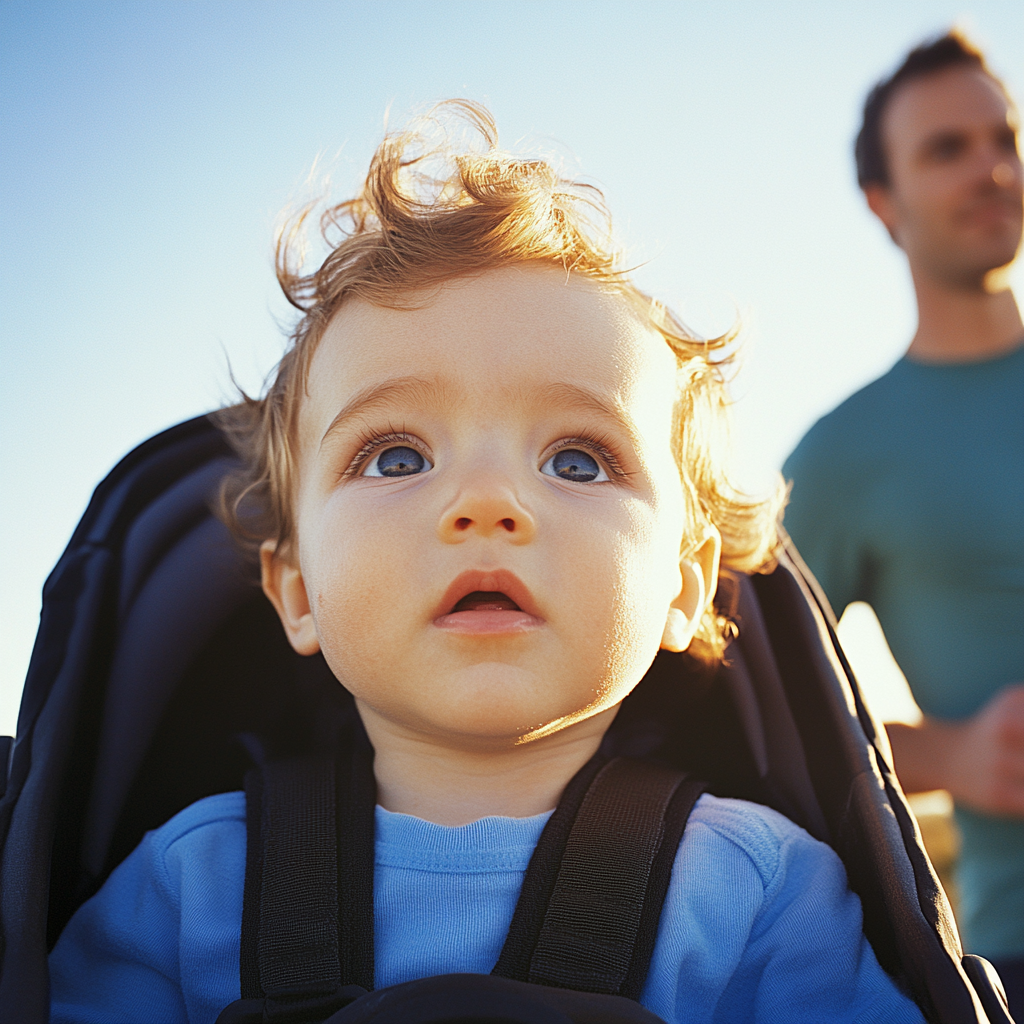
(758, 924)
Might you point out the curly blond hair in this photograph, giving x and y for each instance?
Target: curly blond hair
(431, 210)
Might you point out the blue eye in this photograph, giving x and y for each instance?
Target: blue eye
(574, 464)
(400, 461)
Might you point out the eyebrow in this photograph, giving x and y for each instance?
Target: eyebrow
(962, 134)
(426, 391)
(941, 136)
(435, 391)
(574, 396)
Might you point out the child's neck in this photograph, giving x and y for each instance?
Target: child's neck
(451, 784)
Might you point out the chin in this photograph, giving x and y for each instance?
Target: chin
(995, 251)
(983, 270)
(999, 257)
(514, 721)
(492, 732)
(512, 717)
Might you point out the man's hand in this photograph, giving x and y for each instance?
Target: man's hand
(979, 760)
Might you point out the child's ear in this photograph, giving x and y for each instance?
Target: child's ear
(283, 584)
(699, 569)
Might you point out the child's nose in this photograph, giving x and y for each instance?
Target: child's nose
(486, 509)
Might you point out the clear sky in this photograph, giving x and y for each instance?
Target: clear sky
(148, 148)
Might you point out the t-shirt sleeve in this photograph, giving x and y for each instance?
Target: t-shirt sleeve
(807, 950)
(822, 517)
(760, 926)
(160, 940)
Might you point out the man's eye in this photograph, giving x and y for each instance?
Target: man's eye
(948, 148)
(399, 461)
(574, 464)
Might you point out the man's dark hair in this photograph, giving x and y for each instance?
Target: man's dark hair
(949, 50)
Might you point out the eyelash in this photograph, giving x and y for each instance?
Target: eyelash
(371, 444)
(591, 444)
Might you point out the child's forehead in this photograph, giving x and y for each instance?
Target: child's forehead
(519, 327)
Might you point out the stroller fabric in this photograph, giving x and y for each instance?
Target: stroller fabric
(160, 674)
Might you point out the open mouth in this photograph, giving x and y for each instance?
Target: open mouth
(487, 602)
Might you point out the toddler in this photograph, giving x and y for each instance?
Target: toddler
(484, 483)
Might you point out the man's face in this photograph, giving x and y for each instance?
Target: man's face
(489, 517)
(954, 202)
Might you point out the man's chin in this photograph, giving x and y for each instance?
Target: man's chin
(982, 271)
(992, 254)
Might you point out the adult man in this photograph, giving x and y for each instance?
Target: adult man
(910, 495)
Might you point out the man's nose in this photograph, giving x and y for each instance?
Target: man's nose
(486, 506)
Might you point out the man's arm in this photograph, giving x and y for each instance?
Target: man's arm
(979, 760)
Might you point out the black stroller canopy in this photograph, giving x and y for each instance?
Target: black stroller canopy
(160, 673)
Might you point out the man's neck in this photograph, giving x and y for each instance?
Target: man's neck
(964, 325)
(450, 784)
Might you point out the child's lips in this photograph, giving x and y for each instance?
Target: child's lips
(483, 620)
(494, 601)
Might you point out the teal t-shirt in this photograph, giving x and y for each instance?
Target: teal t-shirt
(910, 496)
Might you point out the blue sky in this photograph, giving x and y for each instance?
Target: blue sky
(148, 148)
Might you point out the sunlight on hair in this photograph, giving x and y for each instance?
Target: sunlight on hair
(441, 201)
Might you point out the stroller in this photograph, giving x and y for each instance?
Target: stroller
(160, 668)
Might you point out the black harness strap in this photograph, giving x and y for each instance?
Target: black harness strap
(291, 945)
(593, 917)
(297, 943)
(676, 816)
(541, 874)
(587, 914)
(357, 800)
(307, 912)
(607, 883)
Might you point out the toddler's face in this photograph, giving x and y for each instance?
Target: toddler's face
(489, 517)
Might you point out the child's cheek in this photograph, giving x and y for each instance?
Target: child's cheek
(647, 581)
(353, 579)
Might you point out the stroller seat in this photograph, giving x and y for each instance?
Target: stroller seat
(160, 674)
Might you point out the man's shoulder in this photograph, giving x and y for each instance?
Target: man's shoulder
(856, 420)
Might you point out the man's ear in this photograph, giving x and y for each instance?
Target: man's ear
(699, 569)
(283, 584)
(880, 202)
